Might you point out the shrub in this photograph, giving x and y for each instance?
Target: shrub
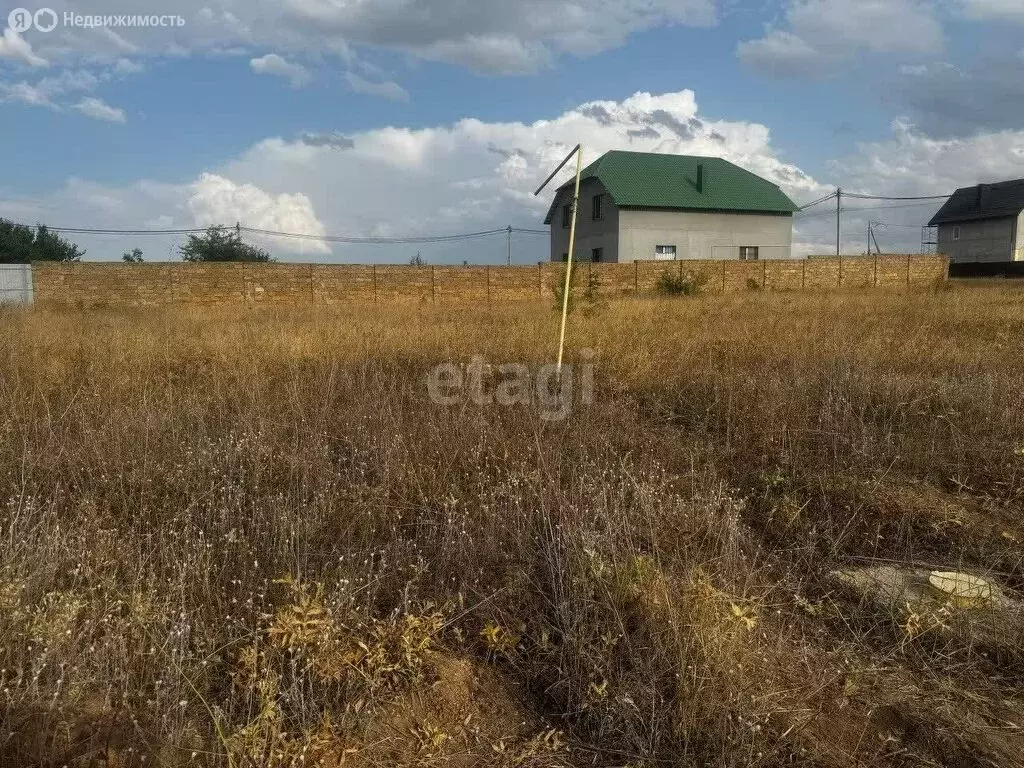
(685, 284)
(588, 300)
(221, 244)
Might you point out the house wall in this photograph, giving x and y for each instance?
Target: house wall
(715, 236)
(590, 234)
(988, 240)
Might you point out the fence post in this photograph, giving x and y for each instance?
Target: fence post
(764, 274)
(909, 257)
(803, 275)
(433, 291)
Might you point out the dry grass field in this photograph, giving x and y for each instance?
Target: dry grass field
(250, 539)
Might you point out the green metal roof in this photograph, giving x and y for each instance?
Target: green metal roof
(649, 180)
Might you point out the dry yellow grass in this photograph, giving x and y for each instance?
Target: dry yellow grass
(250, 539)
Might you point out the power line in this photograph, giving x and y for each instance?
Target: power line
(816, 214)
(882, 197)
(817, 202)
(376, 240)
(862, 196)
(297, 235)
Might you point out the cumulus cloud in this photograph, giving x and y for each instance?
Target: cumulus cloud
(819, 35)
(909, 163)
(913, 163)
(332, 139)
(272, 64)
(385, 89)
(214, 200)
(14, 46)
(97, 109)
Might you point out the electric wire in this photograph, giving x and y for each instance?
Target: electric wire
(297, 235)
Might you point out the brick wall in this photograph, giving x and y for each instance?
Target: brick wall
(143, 285)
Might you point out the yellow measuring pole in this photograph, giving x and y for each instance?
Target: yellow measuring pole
(568, 268)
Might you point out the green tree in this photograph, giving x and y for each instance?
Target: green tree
(221, 244)
(20, 244)
(133, 256)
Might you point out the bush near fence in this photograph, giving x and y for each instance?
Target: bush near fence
(99, 284)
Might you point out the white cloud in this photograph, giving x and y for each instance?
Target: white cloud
(384, 89)
(497, 52)
(14, 46)
(784, 54)
(100, 110)
(128, 67)
(908, 164)
(994, 10)
(911, 163)
(46, 90)
(272, 64)
(216, 200)
(820, 34)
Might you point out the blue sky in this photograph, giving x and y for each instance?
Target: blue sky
(418, 117)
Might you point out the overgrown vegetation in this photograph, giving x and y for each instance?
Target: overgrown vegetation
(584, 293)
(221, 244)
(249, 539)
(20, 244)
(672, 283)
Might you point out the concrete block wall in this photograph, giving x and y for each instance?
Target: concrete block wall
(149, 285)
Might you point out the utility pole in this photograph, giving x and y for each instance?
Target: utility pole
(839, 222)
(872, 226)
(510, 245)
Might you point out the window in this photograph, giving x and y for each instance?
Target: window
(598, 211)
(665, 253)
(597, 255)
(749, 253)
(566, 216)
(956, 233)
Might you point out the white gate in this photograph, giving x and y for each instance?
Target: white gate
(15, 283)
